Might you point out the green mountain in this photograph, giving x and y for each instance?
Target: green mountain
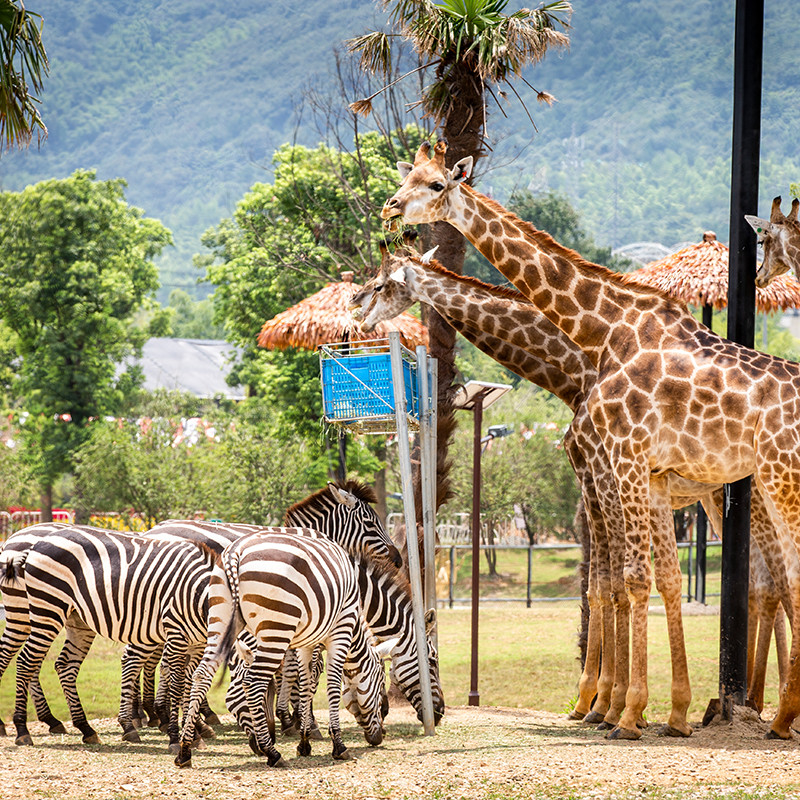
(188, 100)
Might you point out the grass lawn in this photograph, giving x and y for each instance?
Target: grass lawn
(527, 658)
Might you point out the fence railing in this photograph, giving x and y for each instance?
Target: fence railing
(525, 587)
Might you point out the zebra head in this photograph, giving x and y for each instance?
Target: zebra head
(345, 514)
(404, 671)
(364, 693)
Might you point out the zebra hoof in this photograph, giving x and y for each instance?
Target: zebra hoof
(304, 748)
(24, 740)
(131, 736)
(137, 722)
(184, 757)
(206, 731)
(315, 734)
(253, 742)
(176, 748)
(153, 722)
(91, 738)
(212, 719)
(344, 755)
(57, 729)
(274, 759)
(164, 727)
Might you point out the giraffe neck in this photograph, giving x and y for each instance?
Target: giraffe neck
(585, 301)
(536, 345)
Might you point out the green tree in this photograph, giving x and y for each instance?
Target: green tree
(75, 266)
(192, 319)
(23, 65)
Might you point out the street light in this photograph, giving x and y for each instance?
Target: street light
(475, 396)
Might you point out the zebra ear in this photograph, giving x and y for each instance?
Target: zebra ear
(387, 647)
(342, 496)
(430, 621)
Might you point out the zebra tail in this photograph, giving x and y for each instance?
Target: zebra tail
(227, 642)
(14, 569)
(271, 708)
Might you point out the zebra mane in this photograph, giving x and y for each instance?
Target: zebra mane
(361, 490)
(212, 556)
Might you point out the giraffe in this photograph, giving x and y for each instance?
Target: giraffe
(780, 237)
(671, 396)
(511, 330)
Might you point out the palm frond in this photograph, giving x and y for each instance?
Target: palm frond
(376, 52)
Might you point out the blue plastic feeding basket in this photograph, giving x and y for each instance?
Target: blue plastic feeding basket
(357, 385)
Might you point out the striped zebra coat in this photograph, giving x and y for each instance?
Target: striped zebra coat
(124, 587)
(289, 590)
(386, 602)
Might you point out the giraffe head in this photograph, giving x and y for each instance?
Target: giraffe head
(426, 191)
(388, 293)
(780, 238)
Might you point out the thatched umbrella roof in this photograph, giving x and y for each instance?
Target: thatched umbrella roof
(325, 317)
(698, 275)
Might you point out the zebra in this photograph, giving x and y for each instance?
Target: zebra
(15, 603)
(125, 587)
(343, 511)
(295, 590)
(386, 601)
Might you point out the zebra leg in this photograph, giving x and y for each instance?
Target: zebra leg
(202, 727)
(15, 603)
(286, 678)
(149, 688)
(133, 659)
(176, 656)
(338, 646)
(162, 697)
(306, 691)
(79, 638)
(29, 663)
(259, 686)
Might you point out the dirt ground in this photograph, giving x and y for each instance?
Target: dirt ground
(484, 753)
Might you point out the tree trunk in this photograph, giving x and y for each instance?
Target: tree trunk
(46, 514)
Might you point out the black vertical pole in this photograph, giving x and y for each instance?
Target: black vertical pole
(746, 141)
(474, 698)
(701, 527)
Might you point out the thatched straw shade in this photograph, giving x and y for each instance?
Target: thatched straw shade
(325, 317)
(698, 275)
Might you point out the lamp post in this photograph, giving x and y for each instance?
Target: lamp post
(475, 397)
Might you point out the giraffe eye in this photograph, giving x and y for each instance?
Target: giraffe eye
(437, 187)
(379, 287)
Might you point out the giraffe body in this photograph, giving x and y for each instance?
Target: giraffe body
(670, 397)
(534, 349)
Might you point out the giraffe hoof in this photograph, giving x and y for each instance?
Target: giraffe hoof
(773, 734)
(58, 729)
(131, 736)
(575, 714)
(676, 733)
(606, 726)
(24, 740)
(593, 717)
(624, 733)
(714, 707)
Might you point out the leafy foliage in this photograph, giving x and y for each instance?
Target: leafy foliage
(75, 266)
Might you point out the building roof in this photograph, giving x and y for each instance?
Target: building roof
(196, 366)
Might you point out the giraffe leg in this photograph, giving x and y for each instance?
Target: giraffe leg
(669, 582)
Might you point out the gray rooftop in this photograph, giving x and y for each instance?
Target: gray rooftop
(197, 366)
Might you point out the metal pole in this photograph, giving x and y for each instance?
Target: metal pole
(748, 50)
(530, 575)
(412, 545)
(689, 572)
(452, 570)
(700, 561)
(474, 698)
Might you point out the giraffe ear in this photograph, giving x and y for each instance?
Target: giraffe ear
(760, 226)
(403, 167)
(399, 275)
(426, 258)
(461, 170)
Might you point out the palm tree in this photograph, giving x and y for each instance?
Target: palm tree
(472, 50)
(23, 64)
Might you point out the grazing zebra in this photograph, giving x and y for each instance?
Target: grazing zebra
(342, 511)
(386, 602)
(15, 603)
(124, 587)
(290, 589)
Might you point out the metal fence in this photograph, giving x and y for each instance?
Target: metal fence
(694, 584)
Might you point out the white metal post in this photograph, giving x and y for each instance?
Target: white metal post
(427, 477)
(412, 545)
